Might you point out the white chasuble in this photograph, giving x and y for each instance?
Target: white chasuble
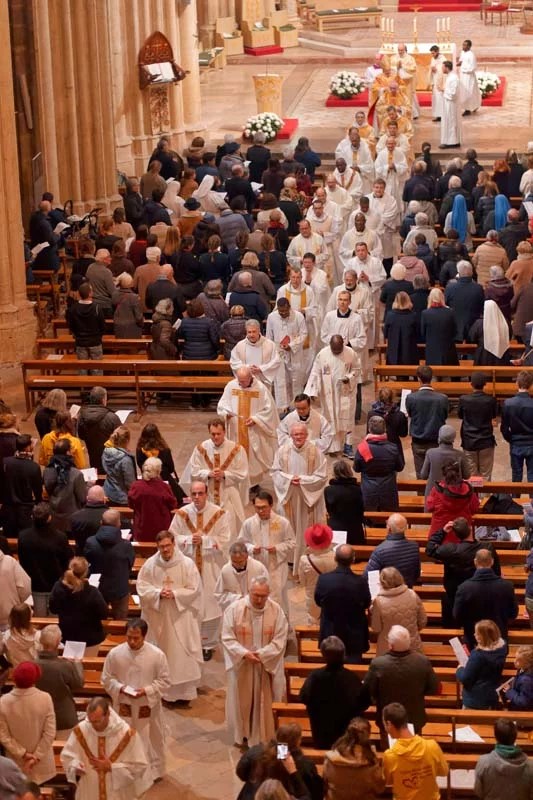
(276, 535)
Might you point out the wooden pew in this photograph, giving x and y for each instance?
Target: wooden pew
(462, 348)
(65, 344)
(501, 380)
(61, 324)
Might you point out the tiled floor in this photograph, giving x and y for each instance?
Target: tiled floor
(201, 758)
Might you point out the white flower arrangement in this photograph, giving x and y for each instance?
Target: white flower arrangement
(267, 123)
(346, 85)
(488, 82)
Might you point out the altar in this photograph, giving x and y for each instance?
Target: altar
(422, 55)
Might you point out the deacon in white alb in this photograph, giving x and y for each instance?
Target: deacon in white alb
(270, 539)
(318, 281)
(170, 590)
(359, 231)
(223, 466)
(104, 758)
(202, 533)
(391, 165)
(370, 270)
(348, 179)
(450, 126)
(258, 353)
(347, 323)
(287, 329)
(236, 576)
(254, 637)
(300, 475)
(320, 432)
(470, 99)
(251, 418)
(385, 207)
(341, 197)
(135, 676)
(307, 242)
(302, 298)
(356, 154)
(436, 82)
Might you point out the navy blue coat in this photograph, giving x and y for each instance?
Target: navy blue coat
(482, 676)
(111, 557)
(401, 333)
(378, 476)
(344, 598)
(438, 329)
(466, 298)
(520, 695)
(484, 596)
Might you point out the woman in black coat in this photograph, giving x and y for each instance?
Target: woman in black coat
(439, 329)
(199, 340)
(401, 332)
(396, 422)
(79, 606)
(394, 285)
(419, 299)
(344, 503)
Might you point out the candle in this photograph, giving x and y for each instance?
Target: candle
(414, 25)
(438, 25)
(382, 24)
(392, 26)
(448, 24)
(387, 25)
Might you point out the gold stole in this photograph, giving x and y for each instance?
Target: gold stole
(115, 755)
(200, 528)
(215, 464)
(312, 453)
(245, 404)
(390, 158)
(244, 628)
(347, 187)
(355, 157)
(303, 304)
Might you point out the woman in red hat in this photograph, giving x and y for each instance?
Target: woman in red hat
(319, 557)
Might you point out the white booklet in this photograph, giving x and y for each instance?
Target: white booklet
(89, 474)
(373, 583)
(60, 227)
(94, 580)
(129, 690)
(466, 734)
(74, 650)
(74, 410)
(126, 533)
(123, 414)
(339, 537)
(392, 741)
(403, 404)
(459, 651)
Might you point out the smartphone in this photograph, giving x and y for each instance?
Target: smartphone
(283, 751)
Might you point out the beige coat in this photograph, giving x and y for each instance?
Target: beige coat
(520, 272)
(352, 778)
(398, 606)
(487, 255)
(28, 725)
(322, 561)
(16, 586)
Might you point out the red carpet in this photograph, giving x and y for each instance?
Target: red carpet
(263, 51)
(290, 127)
(433, 6)
(424, 98)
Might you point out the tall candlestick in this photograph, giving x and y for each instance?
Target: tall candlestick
(392, 26)
(448, 24)
(438, 24)
(387, 24)
(414, 25)
(382, 24)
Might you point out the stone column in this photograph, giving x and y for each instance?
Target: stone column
(45, 94)
(189, 57)
(17, 320)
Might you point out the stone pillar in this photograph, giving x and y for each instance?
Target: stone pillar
(189, 61)
(208, 12)
(17, 320)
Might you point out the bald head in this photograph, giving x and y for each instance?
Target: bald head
(396, 523)
(95, 495)
(344, 555)
(111, 517)
(483, 559)
(244, 377)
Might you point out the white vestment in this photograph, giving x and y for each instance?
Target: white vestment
(333, 381)
(275, 532)
(252, 688)
(360, 157)
(402, 143)
(328, 226)
(350, 327)
(320, 432)
(302, 504)
(450, 126)
(262, 354)
(321, 289)
(394, 178)
(233, 584)
(130, 775)
(353, 237)
(259, 440)
(174, 624)
(374, 269)
(209, 557)
(146, 668)
(350, 181)
(470, 94)
(304, 300)
(229, 492)
(344, 201)
(386, 208)
(436, 81)
(290, 379)
(362, 302)
(301, 245)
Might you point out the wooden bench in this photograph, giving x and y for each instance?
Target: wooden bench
(500, 380)
(462, 349)
(60, 324)
(330, 14)
(110, 344)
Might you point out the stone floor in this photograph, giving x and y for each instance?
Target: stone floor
(201, 758)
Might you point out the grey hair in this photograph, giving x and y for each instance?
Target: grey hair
(252, 323)
(165, 306)
(259, 581)
(288, 151)
(50, 636)
(259, 137)
(238, 548)
(421, 219)
(420, 282)
(244, 278)
(399, 637)
(413, 207)
(151, 468)
(213, 287)
(98, 395)
(455, 182)
(496, 272)
(376, 425)
(229, 138)
(492, 236)
(409, 248)
(464, 269)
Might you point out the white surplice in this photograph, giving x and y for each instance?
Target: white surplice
(146, 668)
(337, 397)
(319, 429)
(344, 201)
(174, 624)
(436, 81)
(259, 440)
(387, 210)
(252, 688)
(350, 181)
(375, 271)
(350, 327)
(301, 245)
(450, 126)
(262, 354)
(362, 302)
(360, 157)
(290, 379)
(304, 301)
(394, 178)
(130, 774)
(470, 95)
(233, 584)
(212, 523)
(274, 532)
(231, 491)
(302, 504)
(321, 289)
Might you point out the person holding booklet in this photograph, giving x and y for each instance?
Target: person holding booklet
(482, 673)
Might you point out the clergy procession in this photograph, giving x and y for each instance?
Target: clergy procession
(320, 553)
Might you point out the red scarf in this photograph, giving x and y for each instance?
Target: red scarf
(363, 448)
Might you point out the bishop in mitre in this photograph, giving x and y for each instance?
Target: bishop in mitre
(135, 676)
(300, 475)
(251, 418)
(258, 353)
(170, 590)
(202, 533)
(223, 466)
(237, 575)
(104, 757)
(254, 638)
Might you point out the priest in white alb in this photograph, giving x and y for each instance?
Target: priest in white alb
(356, 153)
(135, 676)
(236, 576)
(170, 590)
(300, 475)
(251, 418)
(370, 270)
(333, 381)
(256, 352)
(302, 298)
(287, 329)
(104, 757)
(270, 539)
(348, 179)
(307, 242)
(254, 638)
(391, 165)
(470, 95)
(362, 302)
(223, 466)
(450, 126)
(341, 197)
(320, 432)
(202, 533)
(317, 279)
(383, 204)
(359, 231)
(436, 81)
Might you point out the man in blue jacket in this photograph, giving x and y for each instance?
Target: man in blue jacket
(111, 557)
(517, 427)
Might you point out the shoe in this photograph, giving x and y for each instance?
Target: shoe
(466, 113)
(348, 451)
(436, 119)
(182, 704)
(207, 655)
